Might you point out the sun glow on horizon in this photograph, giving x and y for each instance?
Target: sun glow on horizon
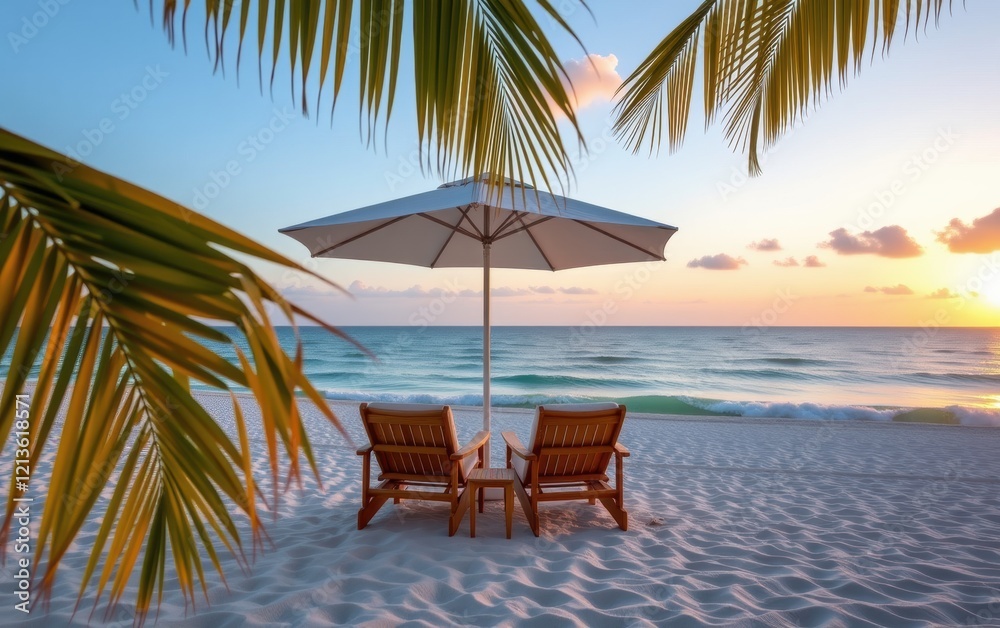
(991, 293)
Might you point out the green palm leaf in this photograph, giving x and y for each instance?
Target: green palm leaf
(108, 288)
(490, 89)
(765, 63)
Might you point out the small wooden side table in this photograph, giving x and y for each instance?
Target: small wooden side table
(499, 478)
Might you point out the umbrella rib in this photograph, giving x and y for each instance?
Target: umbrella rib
(623, 241)
(453, 228)
(533, 240)
(359, 236)
(443, 247)
(525, 227)
(465, 216)
(514, 215)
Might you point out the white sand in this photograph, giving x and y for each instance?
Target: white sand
(732, 521)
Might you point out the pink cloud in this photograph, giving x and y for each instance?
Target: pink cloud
(896, 290)
(576, 290)
(717, 262)
(592, 79)
(786, 263)
(983, 236)
(767, 244)
(813, 262)
(891, 241)
(943, 293)
(359, 288)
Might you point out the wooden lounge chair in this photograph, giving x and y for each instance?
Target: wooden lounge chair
(417, 451)
(569, 450)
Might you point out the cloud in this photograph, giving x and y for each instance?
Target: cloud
(767, 244)
(786, 263)
(813, 262)
(359, 288)
(943, 293)
(504, 291)
(306, 292)
(891, 241)
(717, 262)
(576, 290)
(594, 79)
(983, 236)
(898, 289)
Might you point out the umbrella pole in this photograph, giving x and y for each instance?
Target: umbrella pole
(486, 345)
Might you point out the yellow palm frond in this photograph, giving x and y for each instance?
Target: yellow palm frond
(765, 63)
(109, 290)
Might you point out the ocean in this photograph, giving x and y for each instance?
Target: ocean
(814, 373)
(790, 372)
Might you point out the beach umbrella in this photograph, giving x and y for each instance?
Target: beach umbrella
(467, 224)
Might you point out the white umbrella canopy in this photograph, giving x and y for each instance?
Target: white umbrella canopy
(467, 224)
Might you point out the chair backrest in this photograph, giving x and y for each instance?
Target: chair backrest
(412, 441)
(574, 440)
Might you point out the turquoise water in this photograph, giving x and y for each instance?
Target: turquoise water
(794, 372)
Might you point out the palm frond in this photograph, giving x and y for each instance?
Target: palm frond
(490, 89)
(765, 63)
(108, 290)
(485, 80)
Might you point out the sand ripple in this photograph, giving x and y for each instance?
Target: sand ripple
(733, 522)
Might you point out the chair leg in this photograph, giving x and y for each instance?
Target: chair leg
(455, 520)
(619, 513)
(529, 512)
(368, 511)
(535, 522)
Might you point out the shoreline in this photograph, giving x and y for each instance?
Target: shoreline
(942, 416)
(660, 416)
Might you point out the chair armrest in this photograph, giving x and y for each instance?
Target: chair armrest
(514, 445)
(477, 441)
(622, 451)
(363, 451)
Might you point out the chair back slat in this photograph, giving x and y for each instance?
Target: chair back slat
(414, 443)
(575, 443)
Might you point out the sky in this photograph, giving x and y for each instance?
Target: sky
(881, 209)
